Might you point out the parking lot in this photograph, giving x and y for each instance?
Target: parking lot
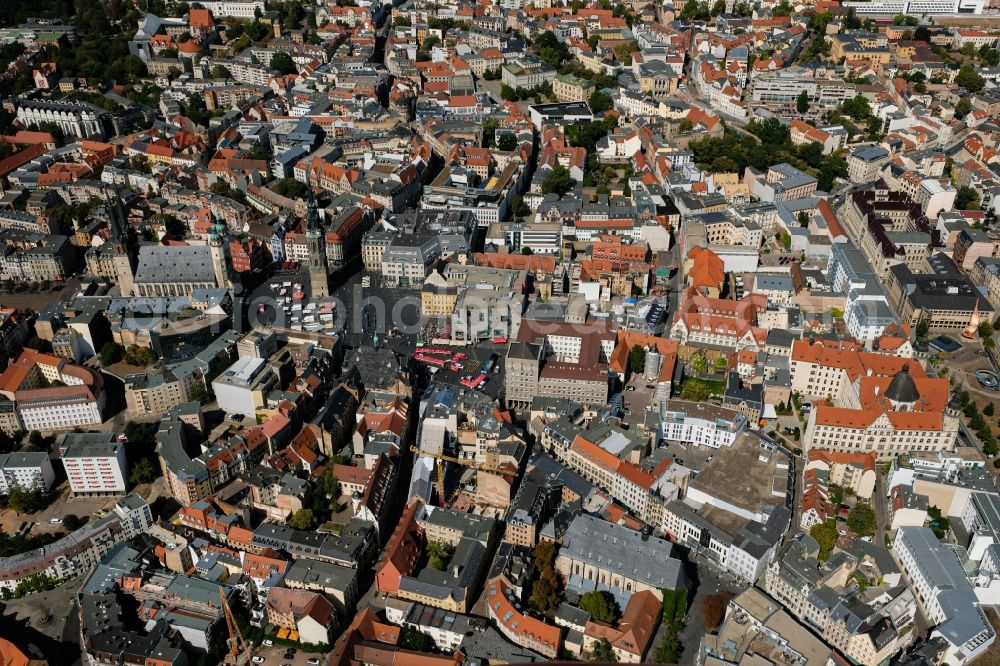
(41, 522)
(277, 656)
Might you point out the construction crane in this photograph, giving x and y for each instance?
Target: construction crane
(239, 649)
(442, 458)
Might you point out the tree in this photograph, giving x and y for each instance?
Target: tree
(713, 609)
(637, 359)
(669, 649)
(989, 56)
(857, 107)
(970, 80)
(826, 535)
(199, 393)
(603, 652)
(966, 198)
(283, 63)
(600, 605)
(599, 101)
(558, 181)
(507, 93)
(519, 208)
(142, 472)
(802, 103)
(783, 8)
(544, 595)
(411, 638)
(25, 500)
(545, 554)
(922, 329)
(72, 522)
(963, 107)
(507, 141)
(111, 353)
(438, 555)
(988, 410)
(139, 356)
(289, 187)
(301, 519)
(771, 131)
(35, 440)
(221, 72)
(861, 519)
(803, 218)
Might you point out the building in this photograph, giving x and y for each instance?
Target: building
(49, 392)
(25, 470)
(700, 424)
(596, 554)
(632, 634)
(863, 164)
(244, 386)
(308, 613)
(76, 119)
(156, 391)
(944, 298)
(95, 463)
(78, 552)
(175, 270)
(319, 278)
(944, 593)
(893, 415)
(336, 582)
(916, 7)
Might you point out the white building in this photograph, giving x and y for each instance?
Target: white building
(95, 463)
(244, 9)
(26, 470)
(943, 591)
(244, 386)
(700, 424)
(77, 400)
(916, 7)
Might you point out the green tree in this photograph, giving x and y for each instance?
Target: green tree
(283, 63)
(637, 359)
(922, 329)
(139, 356)
(600, 101)
(142, 472)
(289, 187)
(72, 522)
(111, 353)
(438, 555)
(783, 8)
(507, 141)
(772, 132)
(603, 652)
(826, 535)
(802, 103)
(857, 107)
(989, 56)
(969, 79)
(988, 410)
(963, 107)
(220, 72)
(411, 638)
(519, 208)
(25, 500)
(302, 519)
(803, 218)
(199, 393)
(600, 605)
(861, 519)
(966, 198)
(558, 181)
(668, 650)
(507, 93)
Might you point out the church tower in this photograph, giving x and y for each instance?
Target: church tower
(123, 241)
(216, 241)
(319, 279)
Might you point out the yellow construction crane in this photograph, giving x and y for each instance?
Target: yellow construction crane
(239, 649)
(465, 462)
